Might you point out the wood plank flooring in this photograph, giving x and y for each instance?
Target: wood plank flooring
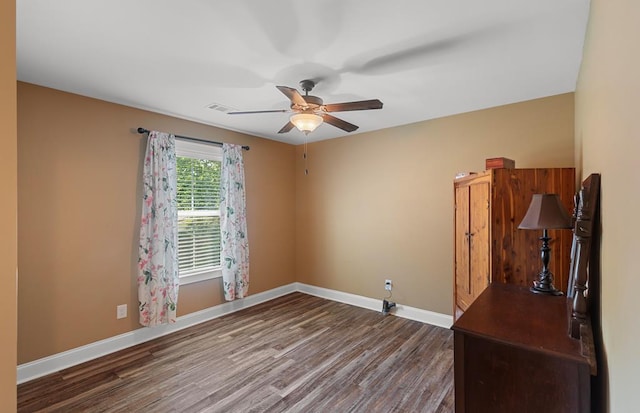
(297, 353)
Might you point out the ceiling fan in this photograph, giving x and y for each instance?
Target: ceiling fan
(310, 111)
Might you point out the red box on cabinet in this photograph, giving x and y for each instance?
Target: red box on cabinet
(499, 163)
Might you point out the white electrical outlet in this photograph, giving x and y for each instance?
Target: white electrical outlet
(121, 311)
(387, 285)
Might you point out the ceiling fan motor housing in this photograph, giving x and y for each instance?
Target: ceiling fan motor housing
(313, 103)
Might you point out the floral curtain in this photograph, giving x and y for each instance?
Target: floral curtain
(157, 263)
(233, 224)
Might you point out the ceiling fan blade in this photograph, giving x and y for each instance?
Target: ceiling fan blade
(361, 105)
(286, 128)
(339, 123)
(258, 111)
(293, 95)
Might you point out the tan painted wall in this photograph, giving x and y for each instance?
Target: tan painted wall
(608, 136)
(380, 205)
(8, 207)
(79, 165)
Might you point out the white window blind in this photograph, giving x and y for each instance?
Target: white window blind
(198, 197)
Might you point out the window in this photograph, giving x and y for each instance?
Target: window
(198, 198)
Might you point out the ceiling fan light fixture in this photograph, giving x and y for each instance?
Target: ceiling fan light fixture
(306, 122)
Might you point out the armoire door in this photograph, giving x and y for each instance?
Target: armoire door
(471, 242)
(463, 286)
(479, 253)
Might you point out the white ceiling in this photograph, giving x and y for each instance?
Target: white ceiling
(423, 59)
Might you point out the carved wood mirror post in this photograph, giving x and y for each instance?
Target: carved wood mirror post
(578, 288)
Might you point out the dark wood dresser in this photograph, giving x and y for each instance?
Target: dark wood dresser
(513, 353)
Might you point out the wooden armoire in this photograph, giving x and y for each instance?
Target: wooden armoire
(489, 247)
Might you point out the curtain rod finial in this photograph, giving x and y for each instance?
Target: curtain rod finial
(142, 130)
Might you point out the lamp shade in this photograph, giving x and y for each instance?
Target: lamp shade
(306, 122)
(546, 212)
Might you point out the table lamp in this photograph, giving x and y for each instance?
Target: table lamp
(545, 212)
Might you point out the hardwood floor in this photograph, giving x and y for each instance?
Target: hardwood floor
(297, 353)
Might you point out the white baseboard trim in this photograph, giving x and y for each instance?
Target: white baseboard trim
(69, 358)
(404, 311)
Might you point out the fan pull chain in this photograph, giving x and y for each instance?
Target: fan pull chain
(304, 156)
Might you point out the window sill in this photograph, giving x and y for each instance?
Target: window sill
(203, 276)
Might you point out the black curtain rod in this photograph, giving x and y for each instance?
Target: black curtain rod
(143, 130)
